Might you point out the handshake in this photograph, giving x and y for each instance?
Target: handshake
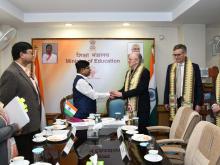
(114, 94)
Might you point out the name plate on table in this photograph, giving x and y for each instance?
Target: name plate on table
(124, 151)
(68, 146)
(119, 134)
(92, 133)
(73, 131)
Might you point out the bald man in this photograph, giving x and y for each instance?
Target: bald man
(135, 89)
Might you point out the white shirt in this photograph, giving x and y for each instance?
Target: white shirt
(182, 65)
(27, 71)
(34, 81)
(49, 59)
(83, 86)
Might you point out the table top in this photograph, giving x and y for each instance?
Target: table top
(108, 150)
(106, 146)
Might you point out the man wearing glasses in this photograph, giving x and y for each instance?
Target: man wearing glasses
(183, 82)
(84, 95)
(17, 81)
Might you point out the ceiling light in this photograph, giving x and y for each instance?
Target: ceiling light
(68, 24)
(126, 24)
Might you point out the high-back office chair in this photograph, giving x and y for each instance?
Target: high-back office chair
(203, 146)
(181, 128)
(116, 105)
(62, 103)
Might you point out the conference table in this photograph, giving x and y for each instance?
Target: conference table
(106, 146)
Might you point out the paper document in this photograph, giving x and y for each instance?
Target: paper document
(16, 113)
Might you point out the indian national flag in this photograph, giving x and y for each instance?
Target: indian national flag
(69, 109)
(153, 90)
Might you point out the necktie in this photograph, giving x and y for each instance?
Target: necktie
(178, 81)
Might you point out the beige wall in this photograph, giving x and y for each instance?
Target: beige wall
(211, 59)
(163, 45)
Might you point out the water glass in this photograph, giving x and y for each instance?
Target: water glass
(151, 145)
(118, 115)
(135, 121)
(38, 154)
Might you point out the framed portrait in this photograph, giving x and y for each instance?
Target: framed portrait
(49, 53)
(136, 47)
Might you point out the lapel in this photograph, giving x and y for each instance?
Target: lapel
(24, 75)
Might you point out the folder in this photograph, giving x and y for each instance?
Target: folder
(16, 113)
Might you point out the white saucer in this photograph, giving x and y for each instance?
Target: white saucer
(129, 127)
(41, 163)
(153, 157)
(131, 132)
(59, 123)
(56, 138)
(39, 140)
(23, 162)
(108, 119)
(59, 127)
(141, 137)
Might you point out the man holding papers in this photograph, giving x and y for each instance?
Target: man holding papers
(16, 81)
(83, 93)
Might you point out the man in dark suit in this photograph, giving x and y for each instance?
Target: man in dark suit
(16, 81)
(135, 89)
(183, 81)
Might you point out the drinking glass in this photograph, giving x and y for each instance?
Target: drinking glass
(151, 145)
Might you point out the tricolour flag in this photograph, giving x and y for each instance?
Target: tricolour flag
(153, 90)
(69, 109)
(37, 70)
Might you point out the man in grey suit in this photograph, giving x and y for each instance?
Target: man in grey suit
(17, 81)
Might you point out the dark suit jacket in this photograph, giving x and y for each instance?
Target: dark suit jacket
(143, 98)
(198, 94)
(15, 82)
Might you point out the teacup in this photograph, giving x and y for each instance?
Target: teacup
(59, 121)
(92, 115)
(38, 136)
(118, 115)
(19, 160)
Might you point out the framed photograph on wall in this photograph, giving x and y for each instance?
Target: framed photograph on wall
(49, 53)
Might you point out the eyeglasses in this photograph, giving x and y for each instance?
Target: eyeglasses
(177, 55)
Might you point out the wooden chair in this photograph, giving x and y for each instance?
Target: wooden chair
(62, 101)
(209, 90)
(213, 72)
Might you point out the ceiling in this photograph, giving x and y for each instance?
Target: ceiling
(19, 13)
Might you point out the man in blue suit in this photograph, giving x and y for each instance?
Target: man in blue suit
(183, 82)
(83, 93)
